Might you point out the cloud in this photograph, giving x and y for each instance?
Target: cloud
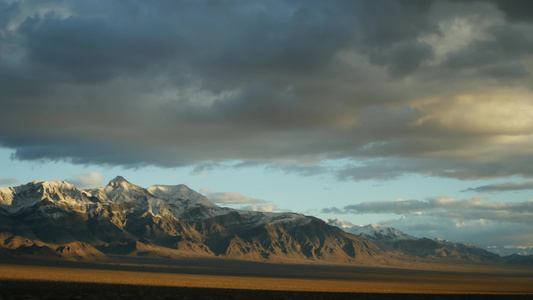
(437, 88)
(446, 207)
(87, 180)
(480, 233)
(500, 53)
(403, 58)
(205, 191)
(229, 197)
(516, 11)
(333, 211)
(8, 181)
(241, 201)
(261, 207)
(503, 187)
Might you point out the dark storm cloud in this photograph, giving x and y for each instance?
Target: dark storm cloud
(391, 22)
(381, 169)
(94, 49)
(503, 70)
(516, 10)
(403, 58)
(7, 11)
(498, 56)
(288, 84)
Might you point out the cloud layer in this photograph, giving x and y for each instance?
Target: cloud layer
(439, 88)
(87, 180)
(239, 200)
(503, 187)
(446, 207)
(475, 221)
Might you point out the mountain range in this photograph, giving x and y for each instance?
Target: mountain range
(56, 220)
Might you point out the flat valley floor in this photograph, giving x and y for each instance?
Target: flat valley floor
(231, 279)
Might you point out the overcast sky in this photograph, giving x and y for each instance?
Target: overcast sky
(415, 114)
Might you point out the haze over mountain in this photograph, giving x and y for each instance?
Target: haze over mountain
(394, 240)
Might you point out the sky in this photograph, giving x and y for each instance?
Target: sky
(411, 114)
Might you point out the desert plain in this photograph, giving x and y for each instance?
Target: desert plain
(195, 278)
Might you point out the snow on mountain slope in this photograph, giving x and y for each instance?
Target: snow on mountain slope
(179, 193)
(287, 218)
(378, 231)
(14, 199)
(181, 201)
(122, 196)
(118, 191)
(340, 223)
(371, 231)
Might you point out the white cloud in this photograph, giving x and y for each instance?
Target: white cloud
(8, 181)
(239, 201)
(261, 207)
(476, 221)
(87, 180)
(205, 191)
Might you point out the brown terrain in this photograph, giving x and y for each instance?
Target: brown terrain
(215, 277)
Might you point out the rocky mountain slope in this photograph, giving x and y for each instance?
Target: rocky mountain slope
(55, 219)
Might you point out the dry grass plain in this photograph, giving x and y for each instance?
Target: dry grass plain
(196, 275)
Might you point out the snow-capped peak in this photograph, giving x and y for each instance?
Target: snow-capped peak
(178, 200)
(118, 190)
(377, 231)
(19, 197)
(371, 231)
(119, 181)
(181, 192)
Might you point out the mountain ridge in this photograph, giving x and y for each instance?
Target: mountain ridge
(394, 240)
(126, 219)
(56, 220)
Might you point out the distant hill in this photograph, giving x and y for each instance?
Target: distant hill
(510, 250)
(393, 240)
